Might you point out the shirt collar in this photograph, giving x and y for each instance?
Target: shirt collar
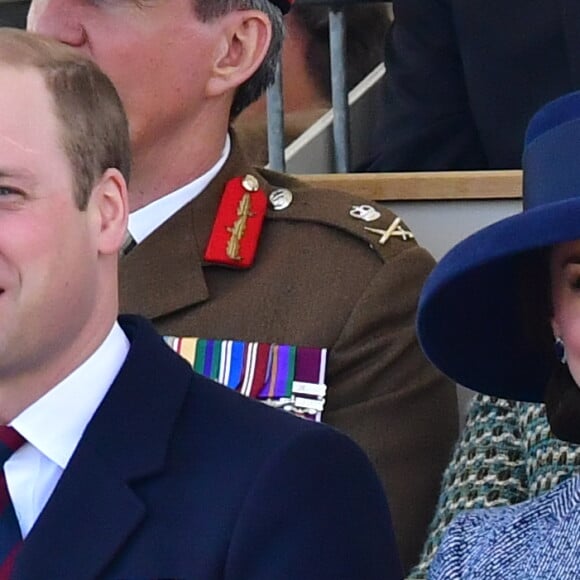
(147, 219)
(55, 423)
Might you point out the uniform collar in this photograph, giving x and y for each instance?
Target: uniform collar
(169, 263)
(146, 220)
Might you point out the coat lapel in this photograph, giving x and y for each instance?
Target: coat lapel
(165, 272)
(93, 510)
(92, 513)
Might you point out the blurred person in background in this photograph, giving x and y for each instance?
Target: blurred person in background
(306, 79)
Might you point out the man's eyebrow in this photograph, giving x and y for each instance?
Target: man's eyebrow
(14, 172)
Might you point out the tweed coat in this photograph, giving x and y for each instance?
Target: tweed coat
(534, 539)
(319, 280)
(507, 454)
(464, 79)
(168, 481)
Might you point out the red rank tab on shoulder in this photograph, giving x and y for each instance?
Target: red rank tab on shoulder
(236, 230)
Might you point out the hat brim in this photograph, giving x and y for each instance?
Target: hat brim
(470, 321)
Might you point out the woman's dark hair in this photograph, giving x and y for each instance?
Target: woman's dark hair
(535, 302)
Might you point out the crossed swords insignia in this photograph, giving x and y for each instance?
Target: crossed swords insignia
(395, 229)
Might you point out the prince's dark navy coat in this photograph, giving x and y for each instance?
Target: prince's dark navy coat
(177, 477)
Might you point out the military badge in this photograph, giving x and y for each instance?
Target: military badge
(366, 213)
(395, 230)
(234, 237)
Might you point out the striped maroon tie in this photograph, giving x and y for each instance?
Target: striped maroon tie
(10, 536)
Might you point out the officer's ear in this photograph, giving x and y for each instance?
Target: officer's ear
(245, 37)
(109, 209)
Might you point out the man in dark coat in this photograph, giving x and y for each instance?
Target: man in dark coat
(305, 299)
(464, 78)
(126, 463)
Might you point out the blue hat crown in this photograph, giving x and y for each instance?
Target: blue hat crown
(551, 158)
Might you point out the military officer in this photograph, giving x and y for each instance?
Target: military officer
(305, 299)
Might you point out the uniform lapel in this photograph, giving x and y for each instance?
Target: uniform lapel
(165, 272)
(93, 510)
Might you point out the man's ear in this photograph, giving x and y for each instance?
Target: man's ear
(110, 211)
(245, 39)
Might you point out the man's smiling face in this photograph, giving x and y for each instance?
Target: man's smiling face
(47, 247)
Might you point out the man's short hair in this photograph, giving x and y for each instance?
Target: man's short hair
(253, 88)
(95, 133)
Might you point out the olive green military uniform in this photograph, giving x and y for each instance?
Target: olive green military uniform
(320, 279)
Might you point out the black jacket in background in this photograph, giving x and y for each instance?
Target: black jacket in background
(464, 78)
(13, 14)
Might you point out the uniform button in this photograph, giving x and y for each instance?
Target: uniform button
(281, 199)
(250, 183)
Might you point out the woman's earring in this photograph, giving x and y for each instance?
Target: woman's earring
(560, 350)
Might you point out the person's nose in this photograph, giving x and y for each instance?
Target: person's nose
(58, 19)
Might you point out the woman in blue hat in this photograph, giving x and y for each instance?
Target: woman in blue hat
(500, 314)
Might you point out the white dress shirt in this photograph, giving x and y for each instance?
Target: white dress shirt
(54, 425)
(146, 220)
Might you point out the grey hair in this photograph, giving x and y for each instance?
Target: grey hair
(253, 88)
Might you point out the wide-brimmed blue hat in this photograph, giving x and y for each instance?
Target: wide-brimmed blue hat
(471, 321)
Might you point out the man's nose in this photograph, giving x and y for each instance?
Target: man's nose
(58, 19)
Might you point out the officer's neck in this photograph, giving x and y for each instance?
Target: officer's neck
(165, 166)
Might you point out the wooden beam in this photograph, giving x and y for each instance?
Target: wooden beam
(424, 186)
